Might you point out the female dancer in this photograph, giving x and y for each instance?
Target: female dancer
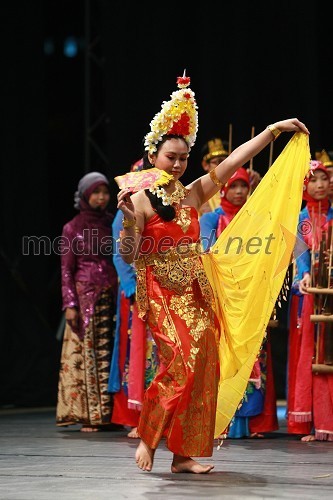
(161, 233)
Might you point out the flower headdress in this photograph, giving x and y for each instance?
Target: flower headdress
(178, 116)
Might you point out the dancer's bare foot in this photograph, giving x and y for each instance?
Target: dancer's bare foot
(144, 456)
(89, 428)
(256, 435)
(133, 433)
(187, 464)
(308, 438)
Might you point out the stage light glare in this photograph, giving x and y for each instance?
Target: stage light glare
(70, 46)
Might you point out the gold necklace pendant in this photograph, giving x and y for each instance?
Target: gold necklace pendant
(170, 199)
(178, 194)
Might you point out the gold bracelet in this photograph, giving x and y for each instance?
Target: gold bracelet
(129, 222)
(214, 178)
(275, 131)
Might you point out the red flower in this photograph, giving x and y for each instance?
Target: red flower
(183, 80)
(182, 127)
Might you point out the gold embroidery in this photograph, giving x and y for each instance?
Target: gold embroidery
(201, 407)
(205, 287)
(183, 218)
(176, 366)
(177, 370)
(196, 318)
(175, 270)
(187, 309)
(141, 291)
(166, 354)
(188, 377)
(175, 276)
(193, 354)
(168, 330)
(155, 312)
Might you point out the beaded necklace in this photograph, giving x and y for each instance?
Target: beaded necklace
(174, 198)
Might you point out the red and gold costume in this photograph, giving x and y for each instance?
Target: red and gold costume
(174, 294)
(201, 308)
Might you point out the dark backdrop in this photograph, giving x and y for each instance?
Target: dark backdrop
(250, 65)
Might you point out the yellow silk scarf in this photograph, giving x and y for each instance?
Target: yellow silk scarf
(247, 266)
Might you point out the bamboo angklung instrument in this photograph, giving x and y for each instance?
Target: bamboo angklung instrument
(321, 281)
(317, 267)
(323, 302)
(270, 161)
(328, 335)
(330, 251)
(313, 251)
(251, 161)
(230, 139)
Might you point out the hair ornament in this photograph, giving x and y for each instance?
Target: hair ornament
(179, 116)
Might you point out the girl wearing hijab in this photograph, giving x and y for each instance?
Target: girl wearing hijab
(232, 197)
(89, 289)
(309, 394)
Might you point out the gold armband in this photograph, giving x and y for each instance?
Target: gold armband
(214, 178)
(129, 222)
(275, 131)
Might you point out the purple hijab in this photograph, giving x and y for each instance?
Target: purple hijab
(90, 218)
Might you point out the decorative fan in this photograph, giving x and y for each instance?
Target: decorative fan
(144, 179)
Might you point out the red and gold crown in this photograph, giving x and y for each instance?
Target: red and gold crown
(179, 116)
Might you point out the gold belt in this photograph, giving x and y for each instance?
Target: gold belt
(173, 254)
(174, 269)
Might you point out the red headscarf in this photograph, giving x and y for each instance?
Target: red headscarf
(230, 210)
(240, 174)
(311, 203)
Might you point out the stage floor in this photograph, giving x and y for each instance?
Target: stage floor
(40, 461)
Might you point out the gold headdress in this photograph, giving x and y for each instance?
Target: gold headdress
(178, 116)
(324, 158)
(215, 148)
